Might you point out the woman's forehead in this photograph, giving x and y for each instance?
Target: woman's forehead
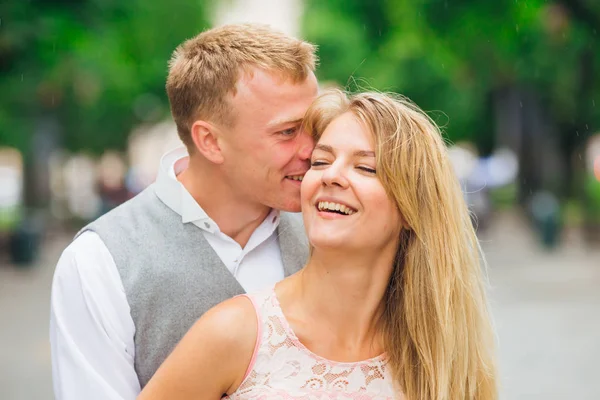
(346, 131)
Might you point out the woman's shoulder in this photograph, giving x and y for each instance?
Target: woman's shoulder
(232, 323)
(237, 321)
(218, 347)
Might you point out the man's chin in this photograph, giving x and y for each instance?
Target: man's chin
(289, 206)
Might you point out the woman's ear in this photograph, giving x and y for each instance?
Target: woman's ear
(205, 138)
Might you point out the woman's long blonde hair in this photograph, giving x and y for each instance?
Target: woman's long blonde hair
(436, 324)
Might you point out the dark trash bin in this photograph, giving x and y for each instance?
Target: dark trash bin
(24, 243)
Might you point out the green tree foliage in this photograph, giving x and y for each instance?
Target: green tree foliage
(98, 66)
(452, 55)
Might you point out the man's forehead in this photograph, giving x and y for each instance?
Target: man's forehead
(265, 99)
(280, 121)
(257, 80)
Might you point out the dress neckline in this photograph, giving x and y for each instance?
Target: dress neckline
(380, 359)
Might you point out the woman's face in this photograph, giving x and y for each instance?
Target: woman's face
(344, 204)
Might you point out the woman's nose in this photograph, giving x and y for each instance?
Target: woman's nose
(335, 176)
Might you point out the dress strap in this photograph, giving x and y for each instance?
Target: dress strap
(259, 331)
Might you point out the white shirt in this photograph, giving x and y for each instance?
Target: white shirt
(91, 329)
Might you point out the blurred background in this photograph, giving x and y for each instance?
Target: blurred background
(514, 84)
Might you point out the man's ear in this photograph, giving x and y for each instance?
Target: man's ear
(205, 137)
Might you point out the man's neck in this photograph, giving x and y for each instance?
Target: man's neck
(235, 217)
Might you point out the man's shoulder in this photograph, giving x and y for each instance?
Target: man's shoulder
(292, 223)
(86, 245)
(86, 261)
(137, 202)
(292, 239)
(292, 218)
(118, 215)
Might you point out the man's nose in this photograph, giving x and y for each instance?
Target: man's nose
(306, 144)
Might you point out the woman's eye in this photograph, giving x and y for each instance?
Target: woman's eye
(367, 169)
(317, 163)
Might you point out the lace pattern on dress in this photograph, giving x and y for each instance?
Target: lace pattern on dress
(283, 368)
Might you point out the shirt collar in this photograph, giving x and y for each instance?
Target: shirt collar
(175, 196)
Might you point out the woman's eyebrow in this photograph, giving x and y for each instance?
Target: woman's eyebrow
(324, 147)
(364, 153)
(357, 153)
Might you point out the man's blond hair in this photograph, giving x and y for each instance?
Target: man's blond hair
(205, 69)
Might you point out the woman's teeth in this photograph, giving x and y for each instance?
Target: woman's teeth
(325, 205)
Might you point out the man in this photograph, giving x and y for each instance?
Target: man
(132, 282)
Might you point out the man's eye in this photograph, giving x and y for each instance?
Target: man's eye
(289, 132)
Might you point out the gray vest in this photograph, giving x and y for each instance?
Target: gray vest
(171, 274)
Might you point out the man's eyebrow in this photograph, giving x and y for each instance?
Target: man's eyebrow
(283, 121)
(357, 153)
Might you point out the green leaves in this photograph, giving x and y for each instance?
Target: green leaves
(88, 62)
(451, 55)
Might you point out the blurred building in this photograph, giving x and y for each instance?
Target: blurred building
(283, 15)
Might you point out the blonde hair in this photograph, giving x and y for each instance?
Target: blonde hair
(436, 324)
(204, 69)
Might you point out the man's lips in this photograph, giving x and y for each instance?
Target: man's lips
(295, 177)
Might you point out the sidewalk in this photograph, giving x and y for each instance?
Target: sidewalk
(25, 368)
(546, 307)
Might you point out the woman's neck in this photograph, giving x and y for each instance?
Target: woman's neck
(336, 301)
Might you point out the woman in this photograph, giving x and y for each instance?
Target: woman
(391, 302)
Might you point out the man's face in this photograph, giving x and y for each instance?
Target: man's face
(265, 154)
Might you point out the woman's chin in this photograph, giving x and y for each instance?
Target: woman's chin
(329, 243)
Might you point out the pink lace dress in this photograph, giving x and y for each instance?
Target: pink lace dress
(282, 368)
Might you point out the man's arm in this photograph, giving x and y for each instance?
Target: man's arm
(91, 330)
